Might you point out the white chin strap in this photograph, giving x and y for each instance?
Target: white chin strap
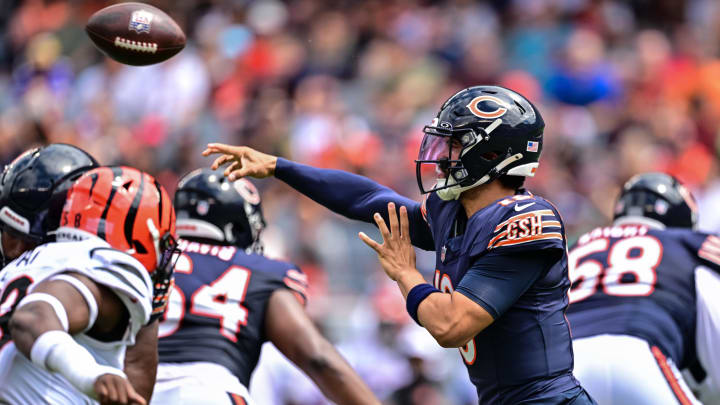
(454, 190)
(155, 233)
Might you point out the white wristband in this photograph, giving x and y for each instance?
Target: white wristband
(58, 352)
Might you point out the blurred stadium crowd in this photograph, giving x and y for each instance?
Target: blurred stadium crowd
(624, 87)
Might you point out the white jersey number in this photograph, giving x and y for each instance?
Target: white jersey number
(637, 257)
(222, 299)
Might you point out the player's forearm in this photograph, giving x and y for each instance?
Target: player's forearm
(39, 335)
(29, 322)
(344, 193)
(141, 361)
(337, 380)
(355, 197)
(435, 313)
(452, 319)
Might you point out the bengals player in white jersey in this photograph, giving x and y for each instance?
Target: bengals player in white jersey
(33, 189)
(69, 309)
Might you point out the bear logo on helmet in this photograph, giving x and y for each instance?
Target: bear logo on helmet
(474, 107)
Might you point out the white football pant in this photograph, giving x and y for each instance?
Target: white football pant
(198, 383)
(619, 370)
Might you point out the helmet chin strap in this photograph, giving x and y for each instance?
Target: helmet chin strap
(453, 191)
(155, 233)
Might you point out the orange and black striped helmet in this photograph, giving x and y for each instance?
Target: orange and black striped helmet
(127, 208)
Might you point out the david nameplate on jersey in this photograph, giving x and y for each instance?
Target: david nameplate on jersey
(69, 309)
(645, 299)
(228, 299)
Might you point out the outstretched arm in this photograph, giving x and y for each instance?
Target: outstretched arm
(290, 329)
(355, 197)
(41, 328)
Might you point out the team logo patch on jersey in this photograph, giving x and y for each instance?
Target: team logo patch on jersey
(140, 21)
(527, 227)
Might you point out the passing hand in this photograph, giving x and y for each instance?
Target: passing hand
(113, 389)
(396, 254)
(243, 161)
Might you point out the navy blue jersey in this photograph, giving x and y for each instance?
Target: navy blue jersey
(216, 311)
(526, 353)
(509, 257)
(637, 281)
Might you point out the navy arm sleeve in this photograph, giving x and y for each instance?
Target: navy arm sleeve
(352, 196)
(496, 281)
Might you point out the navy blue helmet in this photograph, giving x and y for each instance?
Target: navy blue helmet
(33, 189)
(211, 207)
(659, 197)
(480, 134)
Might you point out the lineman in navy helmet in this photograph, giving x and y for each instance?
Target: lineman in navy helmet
(645, 299)
(32, 190)
(228, 299)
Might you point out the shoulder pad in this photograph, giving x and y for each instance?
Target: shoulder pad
(126, 276)
(297, 282)
(710, 250)
(279, 273)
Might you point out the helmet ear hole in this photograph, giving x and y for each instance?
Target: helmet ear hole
(212, 208)
(522, 109)
(490, 156)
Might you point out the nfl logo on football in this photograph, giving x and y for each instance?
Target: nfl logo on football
(140, 21)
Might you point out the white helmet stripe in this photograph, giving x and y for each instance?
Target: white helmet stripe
(189, 228)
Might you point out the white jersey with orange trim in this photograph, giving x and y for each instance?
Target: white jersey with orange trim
(23, 382)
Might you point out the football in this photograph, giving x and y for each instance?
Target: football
(135, 33)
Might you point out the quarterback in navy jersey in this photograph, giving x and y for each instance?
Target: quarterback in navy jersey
(228, 299)
(500, 288)
(645, 299)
